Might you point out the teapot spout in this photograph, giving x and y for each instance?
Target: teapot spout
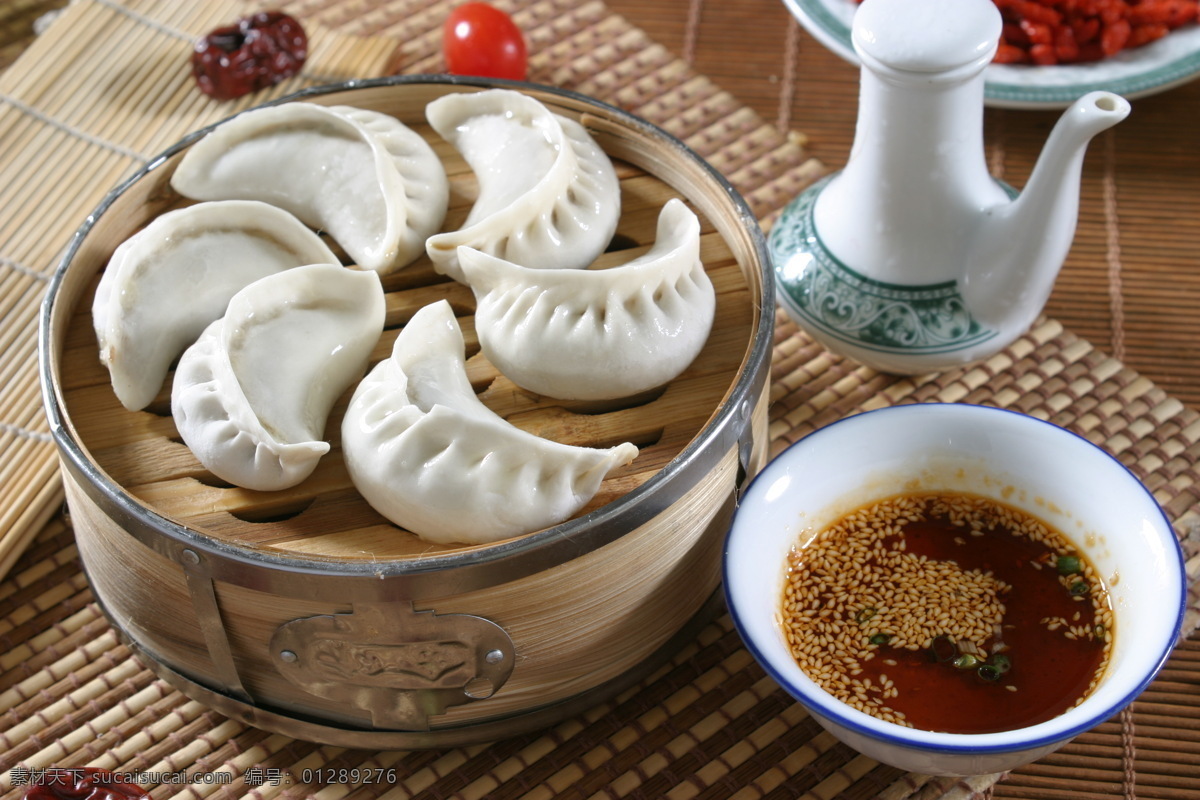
(1020, 246)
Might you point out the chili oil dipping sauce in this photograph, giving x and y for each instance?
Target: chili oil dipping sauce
(964, 506)
(948, 612)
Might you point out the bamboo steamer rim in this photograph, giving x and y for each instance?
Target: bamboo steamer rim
(454, 571)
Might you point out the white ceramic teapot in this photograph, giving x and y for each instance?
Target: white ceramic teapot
(913, 258)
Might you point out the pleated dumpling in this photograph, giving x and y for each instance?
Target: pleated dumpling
(548, 194)
(427, 454)
(251, 397)
(167, 282)
(371, 182)
(597, 334)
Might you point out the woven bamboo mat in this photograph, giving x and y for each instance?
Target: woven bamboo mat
(106, 87)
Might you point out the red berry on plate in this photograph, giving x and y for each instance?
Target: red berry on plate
(259, 51)
(483, 41)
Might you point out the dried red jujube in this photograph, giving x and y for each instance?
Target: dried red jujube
(259, 51)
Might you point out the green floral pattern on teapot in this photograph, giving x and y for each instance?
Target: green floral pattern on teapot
(832, 298)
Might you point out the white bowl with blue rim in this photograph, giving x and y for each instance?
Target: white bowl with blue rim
(1040, 468)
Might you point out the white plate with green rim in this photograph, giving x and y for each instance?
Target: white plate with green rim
(1152, 68)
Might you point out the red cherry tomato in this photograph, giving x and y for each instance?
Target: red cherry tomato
(483, 41)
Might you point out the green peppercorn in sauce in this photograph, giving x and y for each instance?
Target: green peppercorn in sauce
(947, 612)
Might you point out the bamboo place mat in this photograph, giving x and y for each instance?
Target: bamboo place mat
(106, 87)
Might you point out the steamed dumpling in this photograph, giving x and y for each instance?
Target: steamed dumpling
(374, 184)
(251, 397)
(167, 282)
(548, 195)
(427, 454)
(597, 334)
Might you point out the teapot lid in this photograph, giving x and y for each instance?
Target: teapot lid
(926, 35)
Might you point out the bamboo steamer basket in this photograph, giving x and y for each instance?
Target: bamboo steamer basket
(305, 612)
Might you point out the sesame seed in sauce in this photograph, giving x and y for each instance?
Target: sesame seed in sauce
(858, 579)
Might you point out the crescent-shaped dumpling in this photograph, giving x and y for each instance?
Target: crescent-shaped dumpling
(167, 282)
(427, 454)
(597, 334)
(251, 397)
(547, 191)
(373, 183)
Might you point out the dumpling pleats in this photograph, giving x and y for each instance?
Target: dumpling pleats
(427, 454)
(251, 397)
(597, 334)
(547, 192)
(373, 183)
(167, 282)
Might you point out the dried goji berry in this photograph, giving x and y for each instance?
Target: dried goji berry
(1038, 33)
(1112, 11)
(1171, 13)
(1086, 30)
(1066, 49)
(1043, 54)
(1144, 34)
(1045, 14)
(1114, 36)
(1012, 33)
(1010, 54)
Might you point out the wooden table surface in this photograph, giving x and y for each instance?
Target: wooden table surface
(1131, 284)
